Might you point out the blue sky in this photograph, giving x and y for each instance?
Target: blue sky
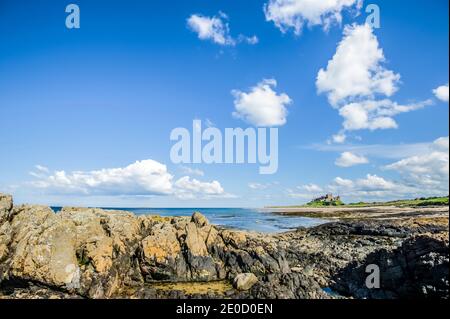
(75, 104)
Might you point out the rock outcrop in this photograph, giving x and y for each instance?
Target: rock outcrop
(101, 254)
(419, 268)
(94, 253)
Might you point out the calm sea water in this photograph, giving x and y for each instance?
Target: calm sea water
(239, 218)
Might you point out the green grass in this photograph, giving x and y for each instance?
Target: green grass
(418, 202)
(325, 204)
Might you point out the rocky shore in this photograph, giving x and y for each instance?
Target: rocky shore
(94, 253)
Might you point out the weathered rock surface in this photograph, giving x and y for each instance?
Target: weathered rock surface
(244, 281)
(94, 253)
(419, 268)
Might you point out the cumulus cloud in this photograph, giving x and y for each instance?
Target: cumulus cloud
(216, 29)
(348, 159)
(442, 93)
(375, 115)
(142, 178)
(375, 187)
(187, 188)
(339, 181)
(262, 106)
(429, 169)
(372, 186)
(374, 183)
(356, 78)
(424, 174)
(356, 69)
(294, 14)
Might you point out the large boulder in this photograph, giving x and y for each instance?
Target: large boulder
(179, 250)
(162, 254)
(245, 281)
(42, 248)
(107, 244)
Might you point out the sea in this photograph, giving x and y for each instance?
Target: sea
(259, 220)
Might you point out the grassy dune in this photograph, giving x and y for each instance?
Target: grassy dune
(418, 202)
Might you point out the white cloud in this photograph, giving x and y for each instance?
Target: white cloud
(259, 186)
(441, 144)
(339, 138)
(312, 188)
(423, 170)
(356, 69)
(442, 93)
(348, 159)
(429, 169)
(262, 106)
(355, 79)
(424, 174)
(211, 28)
(388, 151)
(343, 182)
(294, 14)
(216, 29)
(308, 191)
(293, 194)
(369, 187)
(142, 178)
(249, 40)
(187, 188)
(374, 183)
(191, 171)
(374, 115)
(42, 169)
(262, 186)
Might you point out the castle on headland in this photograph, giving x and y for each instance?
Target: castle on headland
(328, 198)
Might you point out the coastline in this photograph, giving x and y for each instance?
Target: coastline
(367, 212)
(94, 253)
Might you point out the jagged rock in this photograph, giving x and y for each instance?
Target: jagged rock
(106, 248)
(244, 281)
(6, 204)
(287, 286)
(42, 247)
(162, 255)
(419, 268)
(96, 253)
(199, 219)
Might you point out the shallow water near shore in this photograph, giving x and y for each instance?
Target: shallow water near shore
(238, 218)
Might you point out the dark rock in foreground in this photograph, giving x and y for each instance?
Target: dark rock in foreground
(93, 253)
